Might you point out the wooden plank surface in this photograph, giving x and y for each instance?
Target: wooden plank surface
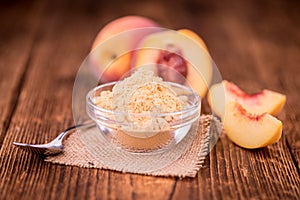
(255, 44)
(18, 28)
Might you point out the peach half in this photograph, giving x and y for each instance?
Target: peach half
(113, 46)
(264, 101)
(249, 130)
(183, 51)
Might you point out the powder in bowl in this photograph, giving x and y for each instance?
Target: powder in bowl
(143, 112)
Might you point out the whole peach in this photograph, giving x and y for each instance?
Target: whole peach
(112, 49)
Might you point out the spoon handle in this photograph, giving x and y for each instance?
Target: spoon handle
(88, 124)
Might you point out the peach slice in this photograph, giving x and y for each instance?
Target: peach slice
(184, 51)
(264, 101)
(113, 49)
(249, 130)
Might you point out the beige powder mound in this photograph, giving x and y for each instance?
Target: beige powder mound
(142, 93)
(104, 100)
(154, 97)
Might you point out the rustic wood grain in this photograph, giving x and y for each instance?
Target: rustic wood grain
(255, 44)
(253, 72)
(18, 28)
(241, 42)
(44, 105)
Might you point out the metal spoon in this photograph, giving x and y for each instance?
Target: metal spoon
(55, 146)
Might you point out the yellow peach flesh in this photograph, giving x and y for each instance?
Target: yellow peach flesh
(248, 130)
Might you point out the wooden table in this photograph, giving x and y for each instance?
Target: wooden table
(255, 44)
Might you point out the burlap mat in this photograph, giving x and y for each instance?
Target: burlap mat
(184, 160)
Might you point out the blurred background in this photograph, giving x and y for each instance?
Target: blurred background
(248, 40)
(243, 23)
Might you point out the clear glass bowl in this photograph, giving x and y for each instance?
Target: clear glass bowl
(119, 127)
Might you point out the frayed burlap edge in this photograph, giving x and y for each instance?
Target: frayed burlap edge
(188, 164)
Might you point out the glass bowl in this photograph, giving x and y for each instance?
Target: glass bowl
(120, 128)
